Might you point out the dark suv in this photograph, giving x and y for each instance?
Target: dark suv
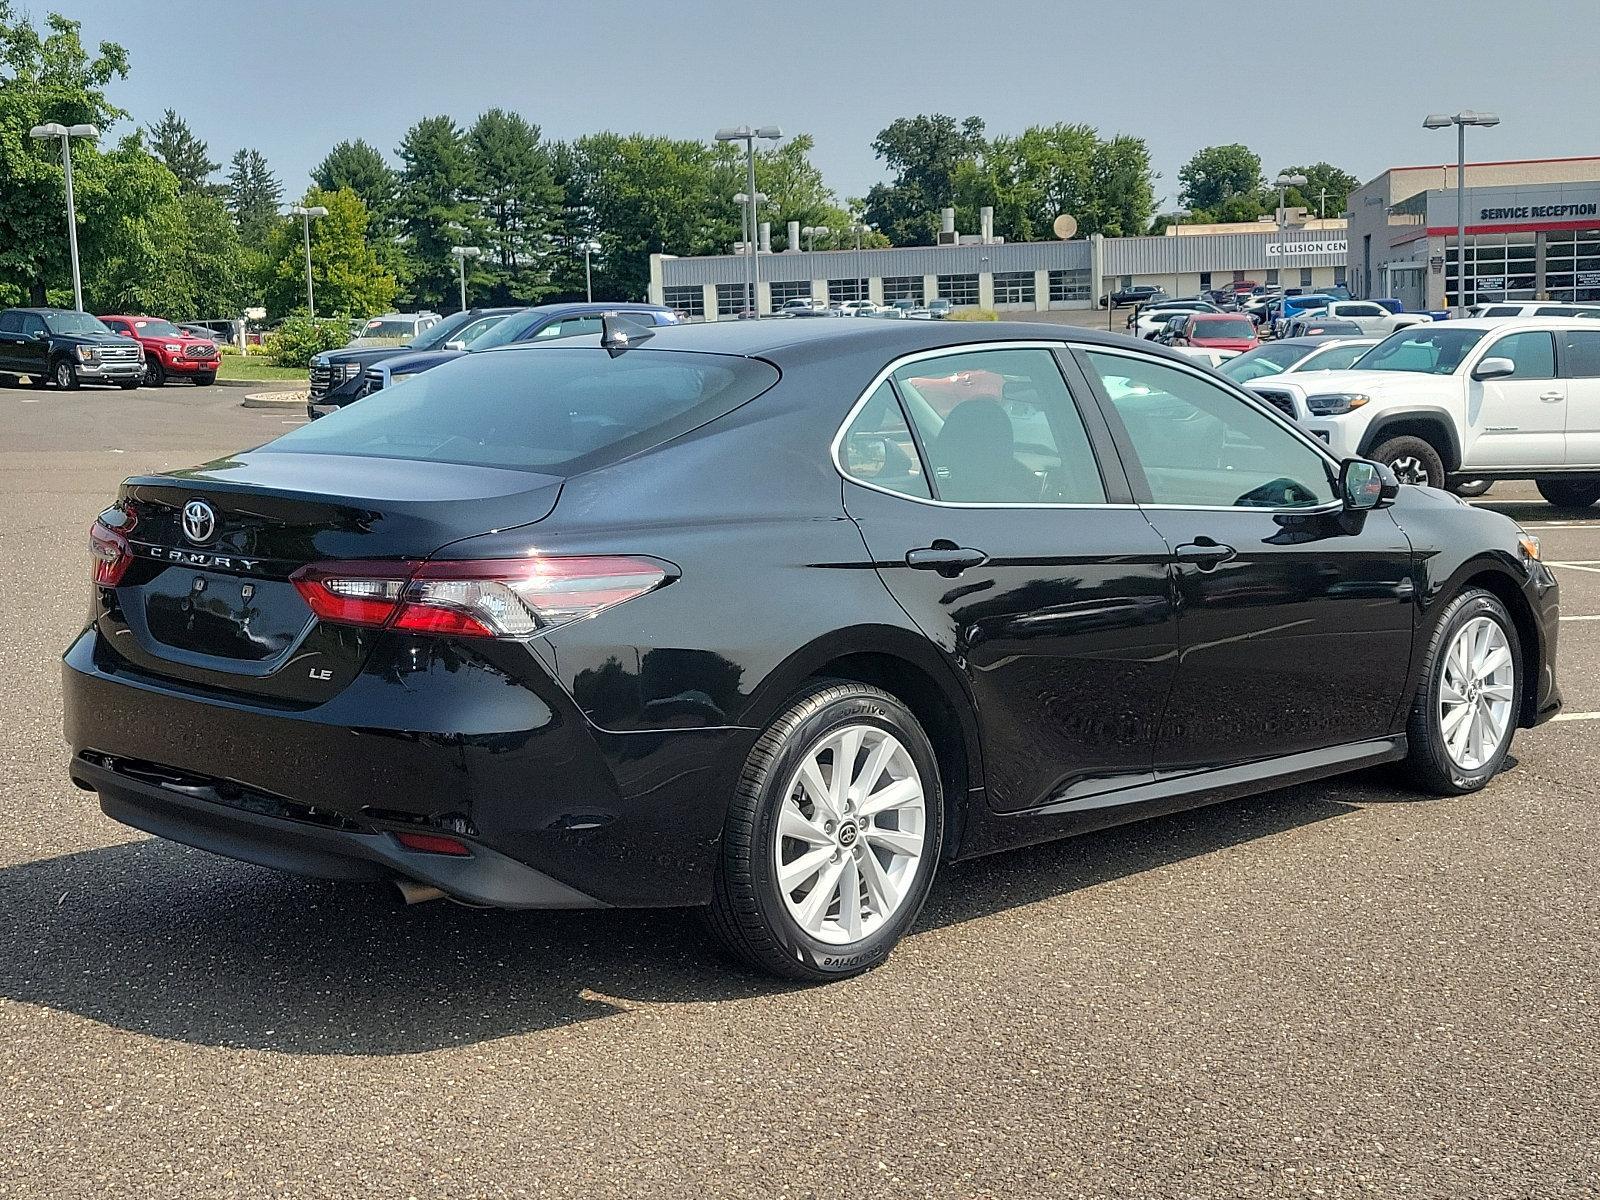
(1139, 293)
(65, 348)
(340, 371)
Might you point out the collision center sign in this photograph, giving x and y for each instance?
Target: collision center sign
(1279, 249)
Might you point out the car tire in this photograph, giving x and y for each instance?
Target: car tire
(64, 375)
(762, 909)
(1471, 488)
(1412, 459)
(1569, 493)
(1452, 754)
(155, 375)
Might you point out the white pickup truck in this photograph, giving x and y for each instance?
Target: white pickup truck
(1475, 399)
(1368, 315)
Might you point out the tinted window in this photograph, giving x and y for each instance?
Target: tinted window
(446, 330)
(11, 322)
(1583, 353)
(33, 323)
(575, 326)
(558, 411)
(1434, 350)
(1227, 327)
(1553, 311)
(1200, 445)
(1334, 358)
(1503, 310)
(1534, 354)
(1361, 310)
(878, 447)
(1263, 360)
(1000, 427)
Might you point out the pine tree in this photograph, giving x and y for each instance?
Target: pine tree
(360, 167)
(174, 143)
(521, 203)
(433, 208)
(253, 193)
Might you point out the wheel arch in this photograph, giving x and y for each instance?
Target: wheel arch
(1432, 425)
(908, 667)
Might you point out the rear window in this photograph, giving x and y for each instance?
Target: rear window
(1227, 327)
(557, 411)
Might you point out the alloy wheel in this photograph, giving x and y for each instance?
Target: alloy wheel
(1477, 689)
(63, 375)
(1408, 468)
(850, 834)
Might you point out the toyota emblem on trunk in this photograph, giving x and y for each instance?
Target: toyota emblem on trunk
(199, 521)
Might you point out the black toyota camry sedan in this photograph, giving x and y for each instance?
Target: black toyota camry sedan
(773, 618)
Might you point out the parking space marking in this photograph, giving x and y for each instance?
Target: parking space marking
(1590, 716)
(1577, 566)
(1582, 618)
(1565, 525)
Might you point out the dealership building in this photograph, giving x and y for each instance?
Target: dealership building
(1533, 233)
(984, 272)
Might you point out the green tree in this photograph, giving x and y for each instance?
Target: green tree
(349, 279)
(174, 143)
(48, 77)
(927, 155)
(253, 194)
(360, 167)
(639, 195)
(515, 185)
(1326, 191)
(433, 206)
(1219, 174)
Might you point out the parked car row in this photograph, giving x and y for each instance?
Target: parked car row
(934, 310)
(66, 348)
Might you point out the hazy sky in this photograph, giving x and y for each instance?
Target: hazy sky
(1348, 82)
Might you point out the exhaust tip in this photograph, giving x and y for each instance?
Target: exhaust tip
(412, 892)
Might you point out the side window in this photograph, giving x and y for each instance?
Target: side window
(571, 327)
(1362, 310)
(878, 447)
(33, 323)
(11, 322)
(1583, 353)
(1202, 446)
(1000, 427)
(1503, 310)
(1534, 354)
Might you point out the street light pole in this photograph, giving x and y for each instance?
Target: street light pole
(589, 247)
(66, 133)
(1460, 120)
(461, 254)
(300, 210)
(747, 135)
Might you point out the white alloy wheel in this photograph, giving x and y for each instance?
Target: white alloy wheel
(1477, 691)
(850, 833)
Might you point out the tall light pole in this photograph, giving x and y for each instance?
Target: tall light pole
(1460, 120)
(747, 135)
(461, 254)
(300, 210)
(589, 247)
(66, 133)
(1283, 183)
(812, 232)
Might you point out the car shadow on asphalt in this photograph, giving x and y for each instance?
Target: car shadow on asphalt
(158, 939)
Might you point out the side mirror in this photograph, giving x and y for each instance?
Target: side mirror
(41, 335)
(1365, 485)
(455, 344)
(1494, 368)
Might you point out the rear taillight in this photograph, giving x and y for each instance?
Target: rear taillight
(108, 545)
(507, 598)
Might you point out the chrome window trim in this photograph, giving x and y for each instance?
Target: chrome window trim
(948, 352)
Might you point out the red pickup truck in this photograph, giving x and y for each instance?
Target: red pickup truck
(169, 352)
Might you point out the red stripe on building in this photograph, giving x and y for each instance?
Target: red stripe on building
(1520, 227)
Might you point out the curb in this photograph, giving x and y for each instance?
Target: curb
(274, 400)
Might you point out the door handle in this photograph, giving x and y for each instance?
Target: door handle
(1550, 397)
(1205, 555)
(945, 557)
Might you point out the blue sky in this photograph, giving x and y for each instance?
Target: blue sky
(1347, 82)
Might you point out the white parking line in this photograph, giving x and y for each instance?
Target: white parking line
(1594, 716)
(1577, 566)
(1595, 525)
(1582, 618)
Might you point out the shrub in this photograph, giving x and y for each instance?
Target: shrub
(293, 343)
(974, 314)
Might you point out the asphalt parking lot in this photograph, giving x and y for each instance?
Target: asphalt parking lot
(1343, 989)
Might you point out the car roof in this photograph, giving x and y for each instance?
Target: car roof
(779, 339)
(1503, 323)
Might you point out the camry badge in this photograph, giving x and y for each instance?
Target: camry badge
(199, 521)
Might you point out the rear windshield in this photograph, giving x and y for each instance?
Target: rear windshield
(554, 411)
(1227, 327)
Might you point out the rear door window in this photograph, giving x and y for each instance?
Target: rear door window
(1533, 353)
(1582, 353)
(1000, 427)
(557, 411)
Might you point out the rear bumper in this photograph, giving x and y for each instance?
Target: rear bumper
(425, 739)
